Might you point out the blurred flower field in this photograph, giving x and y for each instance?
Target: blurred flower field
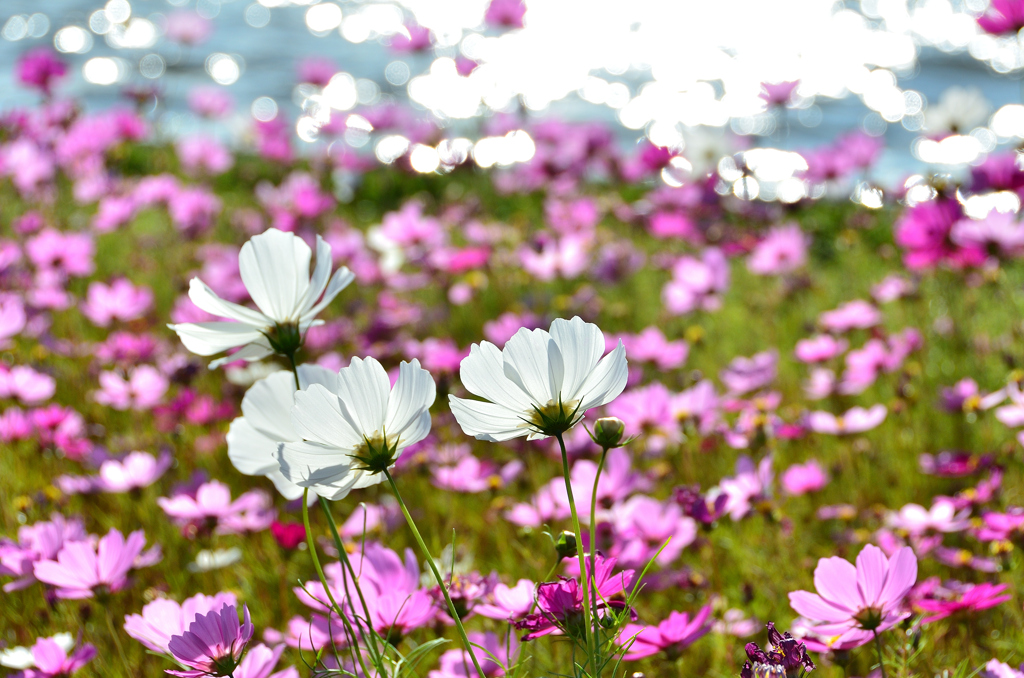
(801, 416)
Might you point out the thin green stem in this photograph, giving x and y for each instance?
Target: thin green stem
(295, 370)
(437, 575)
(323, 579)
(117, 642)
(593, 552)
(579, 553)
(878, 648)
(343, 556)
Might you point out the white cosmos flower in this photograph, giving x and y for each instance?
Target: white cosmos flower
(255, 438)
(540, 383)
(355, 428)
(275, 270)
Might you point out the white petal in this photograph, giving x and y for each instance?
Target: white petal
(531, 360)
(285, 487)
(267, 407)
(275, 269)
(251, 452)
(206, 299)
(314, 374)
(607, 380)
(487, 421)
(410, 400)
(321, 275)
(581, 345)
(319, 415)
(215, 337)
(257, 350)
(342, 278)
(364, 388)
(483, 374)
(326, 469)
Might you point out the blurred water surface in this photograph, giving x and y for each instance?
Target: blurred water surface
(660, 68)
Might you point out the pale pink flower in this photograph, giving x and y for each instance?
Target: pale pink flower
(942, 517)
(12, 318)
(164, 618)
(819, 348)
(508, 602)
(204, 154)
(803, 478)
(141, 388)
(136, 470)
(783, 250)
(854, 603)
(856, 314)
(855, 420)
(82, 568)
(48, 658)
(120, 300)
(25, 384)
(186, 27)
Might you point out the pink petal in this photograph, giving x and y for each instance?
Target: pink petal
(871, 572)
(836, 581)
(814, 607)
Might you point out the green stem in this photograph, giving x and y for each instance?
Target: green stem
(593, 552)
(117, 643)
(323, 579)
(295, 370)
(437, 575)
(878, 648)
(343, 556)
(579, 552)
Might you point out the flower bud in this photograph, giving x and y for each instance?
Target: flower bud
(608, 432)
(565, 546)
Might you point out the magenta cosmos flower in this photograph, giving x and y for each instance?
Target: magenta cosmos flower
(854, 603)
(671, 636)
(213, 644)
(972, 598)
(163, 618)
(1003, 16)
(82, 570)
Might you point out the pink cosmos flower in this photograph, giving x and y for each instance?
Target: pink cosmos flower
(997, 669)
(12, 318)
(120, 300)
(212, 506)
(213, 644)
(210, 101)
(1003, 16)
(67, 253)
(671, 636)
(561, 602)
(204, 154)
(854, 603)
(744, 375)
(750, 485)
(970, 598)
(697, 284)
(50, 658)
(164, 618)
(456, 663)
(186, 27)
(803, 478)
(819, 348)
(783, 250)
(778, 93)
(856, 314)
(136, 470)
(508, 602)
(40, 68)
(916, 520)
(143, 388)
(473, 475)
(316, 71)
(41, 541)
(891, 288)
(643, 525)
(650, 345)
(566, 257)
(25, 384)
(855, 420)
(411, 38)
(261, 660)
(506, 13)
(82, 568)
(666, 225)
